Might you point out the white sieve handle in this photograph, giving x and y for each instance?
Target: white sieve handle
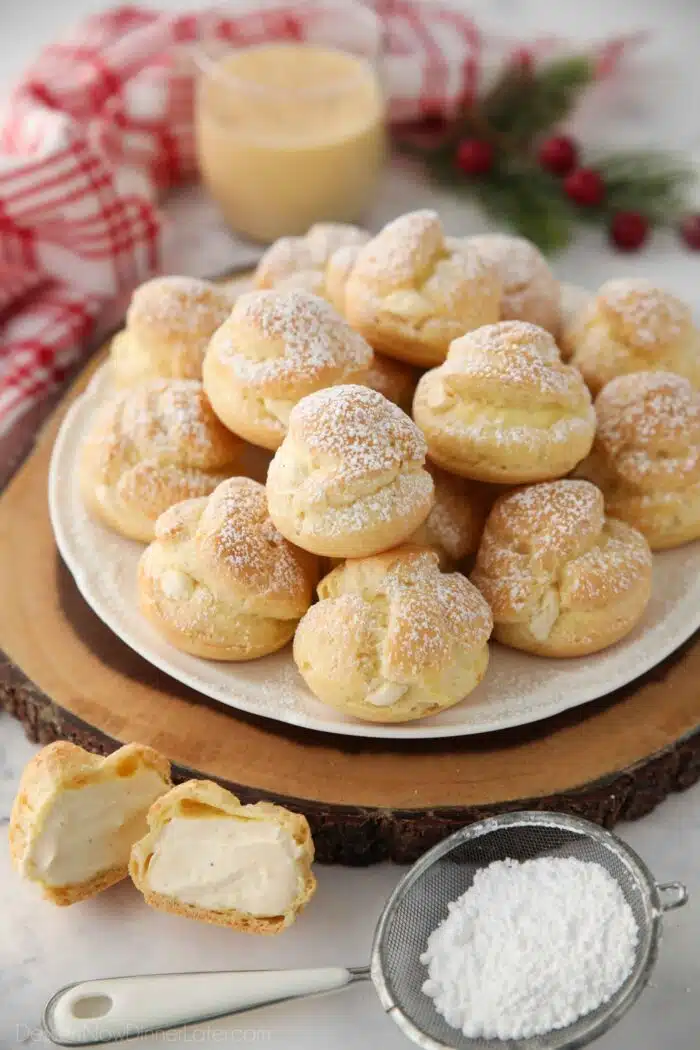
(122, 1007)
(672, 895)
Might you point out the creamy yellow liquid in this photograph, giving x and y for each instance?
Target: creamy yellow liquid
(289, 135)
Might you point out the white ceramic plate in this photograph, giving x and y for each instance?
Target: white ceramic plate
(517, 688)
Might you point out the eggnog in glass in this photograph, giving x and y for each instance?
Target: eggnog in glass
(292, 132)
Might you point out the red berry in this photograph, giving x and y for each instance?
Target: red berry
(584, 186)
(629, 230)
(558, 154)
(690, 231)
(475, 156)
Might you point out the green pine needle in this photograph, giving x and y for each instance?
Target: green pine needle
(521, 107)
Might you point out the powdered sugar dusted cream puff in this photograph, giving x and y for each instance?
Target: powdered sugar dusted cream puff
(302, 261)
(208, 857)
(77, 815)
(412, 291)
(646, 455)
(276, 348)
(530, 291)
(219, 580)
(169, 323)
(349, 478)
(149, 447)
(455, 523)
(633, 326)
(562, 579)
(393, 638)
(504, 408)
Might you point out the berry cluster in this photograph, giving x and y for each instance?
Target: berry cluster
(584, 186)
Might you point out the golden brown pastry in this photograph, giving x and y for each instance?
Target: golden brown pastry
(503, 408)
(393, 639)
(454, 526)
(530, 291)
(646, 455)
(573, 301)
(207, 857)
(219, 581)
(633, 326)
(349, 478)
(77, 815)
(337, 274)
(301, 261)
(412, 291)
(395, 380)
(151, 446)
(276, 348)
(168, 326)
(561, 578)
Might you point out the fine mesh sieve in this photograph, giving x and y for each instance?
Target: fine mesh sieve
(117, 1008)
(420, 902)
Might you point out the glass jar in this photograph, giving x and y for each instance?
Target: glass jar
(293, 132)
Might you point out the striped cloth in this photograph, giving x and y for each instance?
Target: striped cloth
(102, 125)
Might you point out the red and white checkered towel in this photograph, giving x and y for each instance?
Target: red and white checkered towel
(101, 126)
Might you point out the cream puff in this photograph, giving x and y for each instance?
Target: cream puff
(149, 447)
(275, 348)
(504, 408)
(77, 815)
(633, 326)
(393, 639)
(349, 479)
(561, 578)
(219, 581)
(455, 523)
(412, 290)
(646, 455)
(302, 261)
(169, 323)
(208, 857)
(529, 289)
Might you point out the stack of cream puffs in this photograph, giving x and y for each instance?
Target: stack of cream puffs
(464, 449)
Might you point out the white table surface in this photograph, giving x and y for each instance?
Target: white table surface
(42, 948)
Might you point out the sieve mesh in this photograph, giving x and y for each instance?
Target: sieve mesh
(420, 903)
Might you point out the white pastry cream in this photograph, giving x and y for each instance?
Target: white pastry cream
(91, 829)
(546, 616)
(221, 863)
(386, 694)
(177, 584)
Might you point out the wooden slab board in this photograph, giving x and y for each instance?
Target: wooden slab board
(64, 675)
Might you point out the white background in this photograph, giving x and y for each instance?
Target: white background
(42, 948)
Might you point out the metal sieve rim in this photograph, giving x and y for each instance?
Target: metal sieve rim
(619, 1004)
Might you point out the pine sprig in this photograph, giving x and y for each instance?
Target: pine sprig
(525, 199)
(524, 104)
(511, 119)
(655, 184)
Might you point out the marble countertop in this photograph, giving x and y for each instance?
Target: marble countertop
(43, 948)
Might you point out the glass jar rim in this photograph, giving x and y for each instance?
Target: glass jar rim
(210, 64)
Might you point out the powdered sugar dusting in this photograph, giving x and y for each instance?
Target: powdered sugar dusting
(649, 426)
(552, 541)
(366, 433)
(518, 260)
(173, 419)
(509, 343)
(184, 306)
(309, 254)
(649, 314)
(236, 533)
(289, 337)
